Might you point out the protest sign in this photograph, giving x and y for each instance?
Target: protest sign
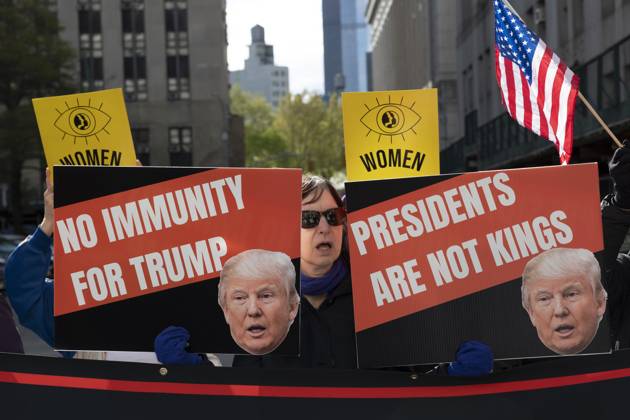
(140, 249)
(89, 128)
(437, 260)
(391, 134)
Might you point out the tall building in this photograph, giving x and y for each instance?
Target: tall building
(345, 46)
(413, 47)
(170, 58)
(590, 36)
(260, 75)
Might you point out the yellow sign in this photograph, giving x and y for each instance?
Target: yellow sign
(391, 134)
(85, 129)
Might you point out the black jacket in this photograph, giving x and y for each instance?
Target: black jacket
(616, 272)
(327, 336)
(10, 340)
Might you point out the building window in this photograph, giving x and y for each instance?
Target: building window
(180, 146)
(608, 8)
(134, 50)
(90, 45)
(177, 67)
(141, 144)
(578, 17)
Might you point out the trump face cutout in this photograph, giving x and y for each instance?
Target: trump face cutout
(564, 298)
(258, 297)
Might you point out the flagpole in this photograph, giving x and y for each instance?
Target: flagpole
(582, 98)
(599, 119)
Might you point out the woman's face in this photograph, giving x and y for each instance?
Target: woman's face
(321, 245)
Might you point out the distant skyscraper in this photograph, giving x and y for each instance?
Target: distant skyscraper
(260, 75)
(345, 45)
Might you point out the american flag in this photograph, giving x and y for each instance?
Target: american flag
(537, 88)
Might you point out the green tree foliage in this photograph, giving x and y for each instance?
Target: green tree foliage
(263, 146)
(313, 131)
(304, 132)
(34, 61)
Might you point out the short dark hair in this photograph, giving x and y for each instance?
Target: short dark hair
(316, 185)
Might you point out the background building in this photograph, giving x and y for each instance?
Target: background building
(413, 47)
(260, 75)
(450, 45)
(170, 58)
(589, 35)
(345, 46)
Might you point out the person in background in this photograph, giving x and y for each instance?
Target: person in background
(327, 323)
(31, 292)
(10, 341)
(616, 266)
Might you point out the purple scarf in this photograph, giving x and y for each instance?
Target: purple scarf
(314, 286)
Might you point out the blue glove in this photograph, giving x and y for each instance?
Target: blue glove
(473, 358)
(170, 347)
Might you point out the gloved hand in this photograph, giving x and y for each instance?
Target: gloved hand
(473, 358)
(170, 347)
(619, 169)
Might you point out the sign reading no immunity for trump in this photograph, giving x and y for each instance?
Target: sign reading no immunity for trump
(140, 249)
(437, 260)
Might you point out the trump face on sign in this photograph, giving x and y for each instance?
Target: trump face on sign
(564, 298)
(259, 300)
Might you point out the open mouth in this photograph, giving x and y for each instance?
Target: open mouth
(564, 329)
(324, 246)
(256, 330)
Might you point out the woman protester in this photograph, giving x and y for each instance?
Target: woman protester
(327, 323)
(10, 340)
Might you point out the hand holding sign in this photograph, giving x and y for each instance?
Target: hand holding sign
(48, 222)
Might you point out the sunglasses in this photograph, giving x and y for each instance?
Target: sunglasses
(334, 217)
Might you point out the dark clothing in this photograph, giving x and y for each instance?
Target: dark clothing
(30, 292)
(616, 271)
(327, 339)
(10, 341)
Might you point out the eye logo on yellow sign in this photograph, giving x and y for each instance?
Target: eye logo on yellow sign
(391, 120)
(89, 128)
(82, 122)
(407, 118)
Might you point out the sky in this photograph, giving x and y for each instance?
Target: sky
(293, 27)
